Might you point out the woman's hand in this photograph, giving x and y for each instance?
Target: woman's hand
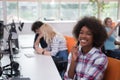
(46, 53)
(118, 25)
(74, 53)
(39, 50)
(42, 51)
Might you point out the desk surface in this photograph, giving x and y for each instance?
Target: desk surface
(37, 67)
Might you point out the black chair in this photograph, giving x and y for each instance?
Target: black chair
(106, 52)
(60, 64)
(110, 53)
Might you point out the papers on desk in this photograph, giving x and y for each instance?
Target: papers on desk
(29, 55)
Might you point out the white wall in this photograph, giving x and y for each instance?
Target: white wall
(64, 27)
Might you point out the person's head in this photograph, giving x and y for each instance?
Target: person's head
(48, 32)
(108, 22)
(36, 25)
(89, 31)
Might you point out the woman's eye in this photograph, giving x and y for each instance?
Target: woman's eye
(81, 32)
(89, 33)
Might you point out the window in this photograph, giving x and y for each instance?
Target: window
(28, 11)
(88, 9)
(1, 11)
(22, 11)
(69, 10)
(12, 11)
(110, 10)
(51, 10)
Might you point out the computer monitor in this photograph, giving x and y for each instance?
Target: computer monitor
(1, 30)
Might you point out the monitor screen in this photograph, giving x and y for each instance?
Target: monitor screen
(1, 30)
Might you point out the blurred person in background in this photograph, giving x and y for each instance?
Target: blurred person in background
(111, 42)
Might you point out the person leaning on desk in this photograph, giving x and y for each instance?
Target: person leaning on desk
(52, 43)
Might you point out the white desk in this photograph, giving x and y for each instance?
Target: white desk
(37, 67)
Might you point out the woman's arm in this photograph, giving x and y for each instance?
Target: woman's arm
(37, 41)
(117, 43)
(36, 44)
(112, 30)
(71, 71)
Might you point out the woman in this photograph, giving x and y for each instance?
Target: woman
(55, 42)
(111, 42)
(35, 26)
(86, 61)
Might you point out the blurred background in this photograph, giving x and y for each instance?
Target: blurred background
(61, 14)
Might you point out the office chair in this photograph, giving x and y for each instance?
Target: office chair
(113, 69)
(110, 53)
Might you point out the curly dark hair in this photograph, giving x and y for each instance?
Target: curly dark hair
(36, 25)
(96, 27)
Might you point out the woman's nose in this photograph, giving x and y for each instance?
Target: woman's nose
(82, 35)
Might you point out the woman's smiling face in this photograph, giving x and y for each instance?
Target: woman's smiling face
(85, 37)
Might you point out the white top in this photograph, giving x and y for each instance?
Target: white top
(58, 44)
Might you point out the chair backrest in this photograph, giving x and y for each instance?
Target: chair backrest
(113, 69)
(70, 42)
